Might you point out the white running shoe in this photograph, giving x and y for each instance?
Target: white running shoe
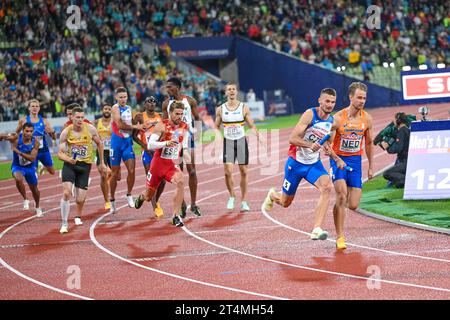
(244, 206)
(64, 229)
(26, 204)
(39, 213)
(112, 209)
(268, 202)
(78, 221)
(319, 234)
(130, 201)
(230, 203)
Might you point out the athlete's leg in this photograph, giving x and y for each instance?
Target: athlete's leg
(46, 159)
(36, 193)
(18, 177)
(325, 187)
(192, 182)
(177, 180)
(244, 180)
(282, 198)
(340, 186)
(354, 196)
(80, 199)
(115, 172)
(228, 169)
(130, 165)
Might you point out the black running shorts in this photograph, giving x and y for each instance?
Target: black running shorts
(235, 150)
(106, 157)
(77, 173)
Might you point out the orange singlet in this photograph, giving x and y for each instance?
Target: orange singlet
(149, 126)
(349, 134)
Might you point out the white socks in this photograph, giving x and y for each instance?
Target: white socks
(65, 210)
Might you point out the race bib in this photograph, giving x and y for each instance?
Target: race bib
(170, 153)
(234, 131)
(79, 151)
(41, 141)
(24, 162)
(106, 144)
(351, 143)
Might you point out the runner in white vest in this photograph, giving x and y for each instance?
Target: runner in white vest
(233, 114)
(173, 86)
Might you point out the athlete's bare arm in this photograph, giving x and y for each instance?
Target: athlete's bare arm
(63, 147)
(218, 120)
(8, 136)
(249, 120)
(164, 109)
(20, 124)
(120, 123)
(368, 136)
(298, 134)
(49, 129)
(138, 118)
(96, 138)
(194, 110)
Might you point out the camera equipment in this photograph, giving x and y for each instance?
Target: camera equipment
(389, 133)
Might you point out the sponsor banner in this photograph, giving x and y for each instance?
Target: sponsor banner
(426, 85)
(256, 109)
(200, 48)
(279, 108)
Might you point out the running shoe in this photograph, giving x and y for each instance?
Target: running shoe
(244, 206)
(183, 210)
(268, 202)
(158, 210)
(39, 213)
(107, 205)
(230, 203)
(196, 210)
(26, 204)
(177, 222)
(113, 209)
(138, 201)
(41, 169)
(319, 234)
(130, 201)
(78, 221)
(340, 243)
(63, 230)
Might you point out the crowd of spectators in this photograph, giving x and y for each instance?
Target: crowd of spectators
(59, 65)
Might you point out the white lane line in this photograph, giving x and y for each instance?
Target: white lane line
(192, 234)
(208, 284)
(20, 274)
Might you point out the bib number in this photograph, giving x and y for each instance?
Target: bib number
(170, 153)
(233, 132)
(41, 141)
(106, 144)
(350, 144)
(24, 162)
(79, 152)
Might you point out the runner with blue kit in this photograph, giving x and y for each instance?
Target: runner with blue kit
(122, 146)
(25, 150)
(41, 128)
(304, 161)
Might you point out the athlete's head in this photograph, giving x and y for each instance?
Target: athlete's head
(176, 111)
(173, 86)
(150, 104)
(327, 100)
(69, 110)
(77, 116)
(27, 130)
(106, 111)
(121, 96)
(357, 93)
(34, 107)
(231, 91)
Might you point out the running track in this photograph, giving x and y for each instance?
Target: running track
(221, 255)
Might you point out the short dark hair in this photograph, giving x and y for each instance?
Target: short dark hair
(77, 109)
(329, 91)
(151, 99)
(175, 81)
(176, 105)
(27, 125)
(72, 106)
(120, 90)
(400, 118)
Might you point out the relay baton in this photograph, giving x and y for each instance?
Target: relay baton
(322, 141)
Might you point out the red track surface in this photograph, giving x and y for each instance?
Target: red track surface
(221, 255)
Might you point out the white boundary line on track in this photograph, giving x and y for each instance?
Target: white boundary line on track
(101, 247)
(20, 274)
